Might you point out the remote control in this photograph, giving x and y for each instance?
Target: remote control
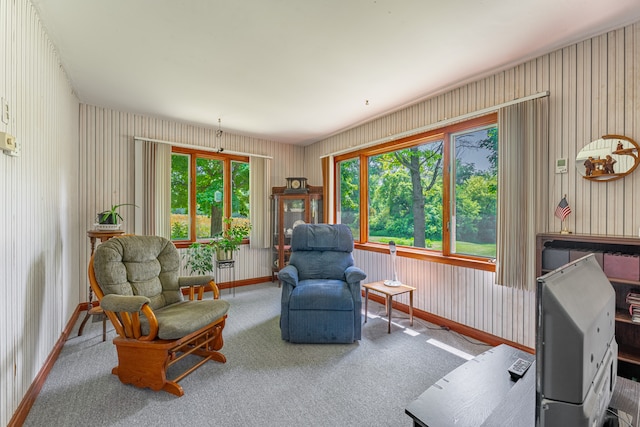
(518, 369)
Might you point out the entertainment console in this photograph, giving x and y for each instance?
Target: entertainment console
(482, 393)
(619, 257)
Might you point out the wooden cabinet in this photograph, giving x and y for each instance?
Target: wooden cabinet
(559, 247)
(290, 210)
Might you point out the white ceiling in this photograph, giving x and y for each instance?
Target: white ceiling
(296, 71)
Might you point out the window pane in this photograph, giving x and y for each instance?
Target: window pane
(348, 209)
(476, 182)
(179, 197)
(209, 197)
(239, 192)
(405, 196)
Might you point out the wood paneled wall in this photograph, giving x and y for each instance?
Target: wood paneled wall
(38, 203)
(107, 169)
(594, 90)
(74, 164)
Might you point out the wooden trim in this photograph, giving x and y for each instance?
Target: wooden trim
(420, 138)
(438, 134)
(245, 282)
(447, 324)
(485, 264)
(446, 194)
(209, 154)
(364, 199)
(227, 184)
(192, 199)
(20, 415)
(238, 283)
(324, 162)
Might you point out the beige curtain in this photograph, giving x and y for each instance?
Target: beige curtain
(153, 188)
(259, 202)
(522, 153)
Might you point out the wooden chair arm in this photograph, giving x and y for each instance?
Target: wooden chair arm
(200, 289)
(126, 310)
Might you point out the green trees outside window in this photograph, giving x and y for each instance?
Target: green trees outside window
(219, 189)
(475, 180)
(349, 195)
(436, 190)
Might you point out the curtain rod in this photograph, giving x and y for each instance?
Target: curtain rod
(197, 147)
(439, 124)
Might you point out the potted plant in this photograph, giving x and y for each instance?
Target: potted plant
(109, 218)
(235, 230)
(199, 258)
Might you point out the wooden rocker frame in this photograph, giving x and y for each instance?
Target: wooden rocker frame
(143, 360)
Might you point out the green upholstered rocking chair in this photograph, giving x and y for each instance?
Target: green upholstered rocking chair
(136, 281)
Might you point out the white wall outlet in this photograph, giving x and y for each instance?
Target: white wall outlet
(5, 111)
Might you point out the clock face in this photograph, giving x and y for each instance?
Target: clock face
(296, 185)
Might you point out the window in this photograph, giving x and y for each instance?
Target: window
(435, 191)
(205, 189)
(348, 192)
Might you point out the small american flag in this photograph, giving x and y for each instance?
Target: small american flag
(563, 209)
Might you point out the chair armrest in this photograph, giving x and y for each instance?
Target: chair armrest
(124, 312)
(289, 275)
(120, 303)
(202, 282)
(354, 274)
(194, 280)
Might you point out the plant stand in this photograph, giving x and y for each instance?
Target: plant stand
(229, 264)
(103, 236)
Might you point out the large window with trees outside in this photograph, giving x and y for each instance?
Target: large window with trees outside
(206, 188)
(436, 190)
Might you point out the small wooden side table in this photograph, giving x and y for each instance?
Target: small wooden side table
(103, 236)
(389, 292)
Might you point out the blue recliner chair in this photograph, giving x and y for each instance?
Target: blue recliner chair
(321, 298)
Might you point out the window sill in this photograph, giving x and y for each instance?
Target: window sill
(477, 263)
(181, 244)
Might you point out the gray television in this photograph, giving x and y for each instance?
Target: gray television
(576, 350)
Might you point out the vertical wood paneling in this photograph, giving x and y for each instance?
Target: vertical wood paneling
(39, 252)
(594, 87)
(632, 118)
(107, 169)
(615, 110)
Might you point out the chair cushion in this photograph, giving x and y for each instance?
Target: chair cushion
(321, 264)
(322, 237)
(181, 319)
(319, 327)
(139, 265)
(316, 294)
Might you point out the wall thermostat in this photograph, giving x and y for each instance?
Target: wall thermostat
(561, 165)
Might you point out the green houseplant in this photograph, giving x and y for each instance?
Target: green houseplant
(199, 258)
(112, 215)
(235, 230)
